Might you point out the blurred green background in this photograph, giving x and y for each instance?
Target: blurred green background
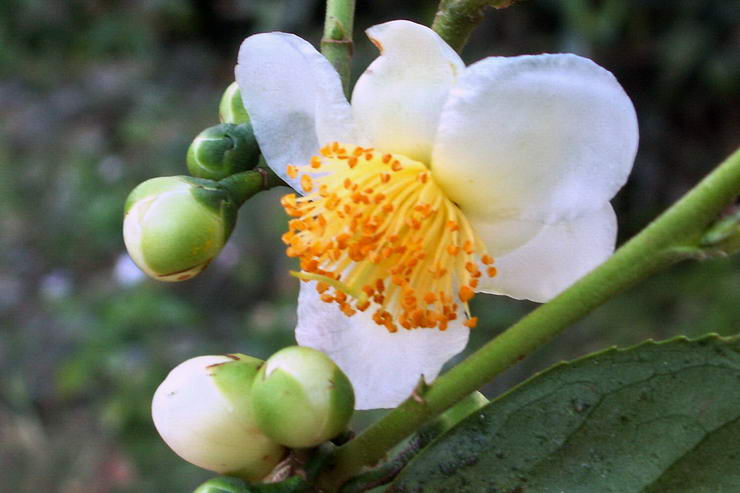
(96, 96)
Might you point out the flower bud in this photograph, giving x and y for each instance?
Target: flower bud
(231, 109)
(222, 150)
(222, 484)
(203, 412)
(174, 226)
(301, 398)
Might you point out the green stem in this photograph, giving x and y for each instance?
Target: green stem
(456, 19)
(674, 236)
(336, 44)
(242, 186)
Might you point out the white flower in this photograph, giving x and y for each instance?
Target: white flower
(514, 158)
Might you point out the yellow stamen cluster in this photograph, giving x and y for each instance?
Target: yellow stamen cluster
(375, 229)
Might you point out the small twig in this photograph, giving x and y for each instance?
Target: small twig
(456, 19)
(336, 44)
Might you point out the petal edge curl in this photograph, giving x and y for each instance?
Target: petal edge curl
(398, 99)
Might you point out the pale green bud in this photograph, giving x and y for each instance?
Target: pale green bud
(203, 412)
(231, 109)
(222, 484)
(301, 398)
(174, 226)
(222, 150)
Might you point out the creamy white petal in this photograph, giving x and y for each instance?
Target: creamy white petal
(502, 235)
(397, 101)
(544, 138)
(554, 259)
(294, 99)
(384, 368)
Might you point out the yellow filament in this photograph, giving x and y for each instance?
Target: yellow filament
(375, 229)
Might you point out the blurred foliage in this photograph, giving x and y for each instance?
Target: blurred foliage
(100, 95)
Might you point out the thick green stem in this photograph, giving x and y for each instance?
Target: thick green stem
(456, 19)
(336, 44)
(242, 186)
(674, 236)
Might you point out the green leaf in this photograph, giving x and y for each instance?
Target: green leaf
(653, 418)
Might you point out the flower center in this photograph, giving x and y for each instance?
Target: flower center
(376, 230)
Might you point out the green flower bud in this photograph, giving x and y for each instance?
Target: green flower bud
(203, 412)
(301, 398)
(231, 109)
(222, 150)
(174, 226)
(222, 484)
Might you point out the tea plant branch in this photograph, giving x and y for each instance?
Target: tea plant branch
(336, 43)
(679, 233)
(456, 19)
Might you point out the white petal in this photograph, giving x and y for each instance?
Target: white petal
(545, 138)
(294, 99)
(554, 259)
(397, 101)
(502, 235)
(384, 368)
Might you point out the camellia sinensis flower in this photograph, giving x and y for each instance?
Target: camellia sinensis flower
(407, 195)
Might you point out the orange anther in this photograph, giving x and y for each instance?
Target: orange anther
(466, 294)
(486, 259)
(306, 183)
(292, 171)
(491, 271)
(471, 323)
